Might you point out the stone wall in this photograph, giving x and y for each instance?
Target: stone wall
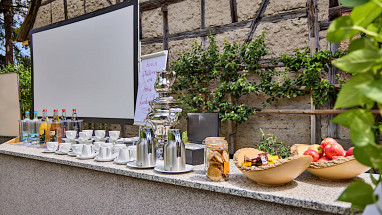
(282, 36)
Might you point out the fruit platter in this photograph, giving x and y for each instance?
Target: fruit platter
(330, 161)
(270, 170)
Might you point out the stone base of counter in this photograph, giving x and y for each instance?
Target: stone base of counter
(37, 187)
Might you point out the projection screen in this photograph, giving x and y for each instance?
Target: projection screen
(89, 63)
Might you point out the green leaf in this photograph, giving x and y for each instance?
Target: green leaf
(361, 133)
(365, 14)
(350, 96)
(340, 29)
(372, 90)
(362, 156)
(374, 180)
(363, 43)
(358, 61)
(346, 118)
(360, 194)
(353, 3)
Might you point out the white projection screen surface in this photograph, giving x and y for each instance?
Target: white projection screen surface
(88, 63)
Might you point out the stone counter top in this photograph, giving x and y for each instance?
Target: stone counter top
(306, 191)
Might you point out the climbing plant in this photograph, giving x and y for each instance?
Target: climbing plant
(210, 80)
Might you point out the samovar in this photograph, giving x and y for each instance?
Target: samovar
(164, 110)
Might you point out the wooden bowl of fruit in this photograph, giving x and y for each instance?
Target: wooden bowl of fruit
(269, 170)
(330, 161)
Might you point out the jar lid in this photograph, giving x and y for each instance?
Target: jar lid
(216, 142)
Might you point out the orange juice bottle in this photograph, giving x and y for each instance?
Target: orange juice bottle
(55, 130)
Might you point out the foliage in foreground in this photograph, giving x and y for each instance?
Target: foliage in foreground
(363, 91)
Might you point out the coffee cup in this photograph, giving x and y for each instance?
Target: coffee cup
(83, 135)
(99, 134)
(97, 145)
(124, 155)
(52, 146)
(114, 135)
(133, 150)
(87, 150)
(104, 152)
(77, 148)
(65, 147)
(89, 132)
(117, 147)
(71, 135)
(107, 144)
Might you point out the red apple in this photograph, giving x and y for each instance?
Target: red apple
(323, 159)
(349, 152)
(334, 150)
(312, 153)
(317, 148)
(327, 141)
(336, 157)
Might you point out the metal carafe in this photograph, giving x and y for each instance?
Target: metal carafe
(174, 152)
(146, 148)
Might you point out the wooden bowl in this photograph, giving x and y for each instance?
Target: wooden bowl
(339, 169)
(276, 174)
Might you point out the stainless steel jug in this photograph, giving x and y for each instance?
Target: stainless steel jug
(146, 148)
(174, 152)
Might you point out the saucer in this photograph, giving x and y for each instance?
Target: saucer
(47, 151)
(86, 158)
(61, 152)
(104, 159)
(160, 168)
(120, 162)
(133, 164)
(72, 154)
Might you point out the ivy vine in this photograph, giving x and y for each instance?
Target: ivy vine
(210, 80)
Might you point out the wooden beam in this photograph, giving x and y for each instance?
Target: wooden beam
(233, 7)
(66, 9)
(153, 4)
(29, 20)
(110, 3)
(84, 6)
(203, 21)
(165, 27)
(47, 2)
(298, 13)
(256, 21)
(308, 112)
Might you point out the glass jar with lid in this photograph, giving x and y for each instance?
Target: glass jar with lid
(216, 158)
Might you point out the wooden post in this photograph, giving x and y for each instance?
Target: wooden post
(203, 21)
(165, 27)
(333, 129)
(233, 7)
(314, 45)
(66, 9)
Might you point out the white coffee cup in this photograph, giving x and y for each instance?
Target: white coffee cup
(83, 135)
(52, 146)
(90, 133)
(97, 145)
(107, 144)
(65, 147)
(124, 155)
(71, 135)
(114, 135)
(99, 134)
(133, 150)
(87, 150)
(77, 148)
(104, 152)
(118, 147)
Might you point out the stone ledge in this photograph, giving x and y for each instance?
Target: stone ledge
(307, 191)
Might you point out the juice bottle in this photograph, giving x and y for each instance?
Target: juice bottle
(55, 133)
(43, 128)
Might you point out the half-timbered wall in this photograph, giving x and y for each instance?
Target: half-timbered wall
(175, 24)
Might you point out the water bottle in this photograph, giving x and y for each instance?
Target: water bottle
(25, 138)
(35, 130)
